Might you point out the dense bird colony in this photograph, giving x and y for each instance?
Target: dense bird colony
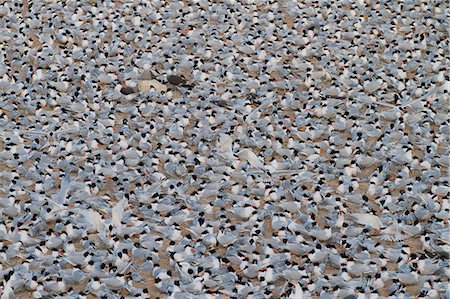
(224, 149)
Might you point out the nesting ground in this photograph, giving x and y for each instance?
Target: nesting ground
(301, 151)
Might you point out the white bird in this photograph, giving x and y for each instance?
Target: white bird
(8, 292)
(427, 266)
(368, 219)
(56, 287)
(411, 230)
(408, 278)
(114, 283)
(321, 234)
(225, 239)
(393, 232)
(249, 156)
(243, 212)
(298, 292)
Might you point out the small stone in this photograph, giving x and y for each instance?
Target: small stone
(175, 80)
(126, 90)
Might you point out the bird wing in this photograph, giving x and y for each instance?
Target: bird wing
(410, 230)
(392, 233)
(251, 157)
(60, 197)
(226, 144)
(117, 213)
(368, 219)
(95, 219)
